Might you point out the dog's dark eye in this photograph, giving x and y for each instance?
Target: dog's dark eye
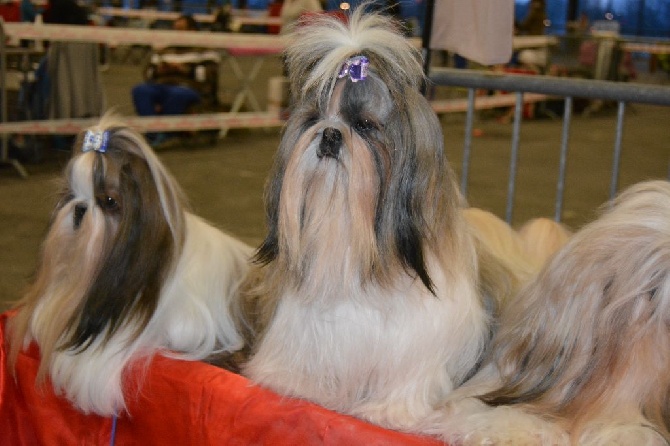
(311, 120)
(364, 125)
(108, 203)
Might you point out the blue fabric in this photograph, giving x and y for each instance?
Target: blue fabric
(152, 99)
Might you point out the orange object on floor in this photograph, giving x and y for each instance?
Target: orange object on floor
(178, 403)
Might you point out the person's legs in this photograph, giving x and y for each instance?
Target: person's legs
(172, 100)
(178, 99)
(145, 98)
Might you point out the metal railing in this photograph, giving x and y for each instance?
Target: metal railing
(567, 88)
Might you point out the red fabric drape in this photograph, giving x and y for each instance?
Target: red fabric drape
(10, 12)
(178, 403)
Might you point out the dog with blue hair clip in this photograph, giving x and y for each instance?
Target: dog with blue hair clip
(126, 271)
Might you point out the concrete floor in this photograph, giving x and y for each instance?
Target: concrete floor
(225, 181)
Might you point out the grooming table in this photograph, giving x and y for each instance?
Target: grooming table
(178, 403)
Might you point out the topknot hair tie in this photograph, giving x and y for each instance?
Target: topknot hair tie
(356, 68)
(95, 141)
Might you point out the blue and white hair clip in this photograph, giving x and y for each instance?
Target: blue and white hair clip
(356, 68)
(95, 141)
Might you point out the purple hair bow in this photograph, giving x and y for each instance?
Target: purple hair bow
(356, 68)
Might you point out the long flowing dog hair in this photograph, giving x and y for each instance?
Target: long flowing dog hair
(583, 353)
(124, 271)
(409, 186)
(368, 291)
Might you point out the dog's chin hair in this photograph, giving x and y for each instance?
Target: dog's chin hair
(584, 350)
(180, 308)
(322, 206)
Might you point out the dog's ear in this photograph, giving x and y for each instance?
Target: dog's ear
(137, 258)
(421, 186)
(269, 249)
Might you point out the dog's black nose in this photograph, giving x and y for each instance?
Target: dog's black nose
(331, 140)
(79, 211)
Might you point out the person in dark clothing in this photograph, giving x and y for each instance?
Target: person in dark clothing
(534, 22)
(65, 12)
(177, 79)
(69, 73)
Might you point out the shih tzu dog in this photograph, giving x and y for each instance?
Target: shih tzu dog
(125, 272)
(368, 299)
(582, 354)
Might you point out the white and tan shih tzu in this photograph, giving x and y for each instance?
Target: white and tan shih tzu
(368, 300)
(582, 354)
(125, 272)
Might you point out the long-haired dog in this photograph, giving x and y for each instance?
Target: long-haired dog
(541, 238)
(582, 354)
(125, 272)
(369, 295)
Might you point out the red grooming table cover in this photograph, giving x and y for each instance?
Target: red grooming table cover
(179, 403)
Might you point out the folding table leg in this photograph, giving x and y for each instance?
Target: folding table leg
(5, 158)
(245, 92)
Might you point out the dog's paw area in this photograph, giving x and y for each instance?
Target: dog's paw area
(508, 437)
(396, 415)
(621, 434)
(472, 423)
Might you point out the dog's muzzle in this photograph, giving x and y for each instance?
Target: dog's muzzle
(331, 141)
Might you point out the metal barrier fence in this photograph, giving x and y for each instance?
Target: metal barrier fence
(567, 88)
